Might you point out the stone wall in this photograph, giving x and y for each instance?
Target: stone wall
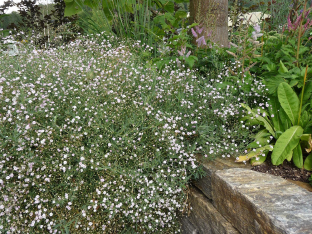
(234, 199)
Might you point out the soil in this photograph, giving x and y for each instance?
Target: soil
(286, 170)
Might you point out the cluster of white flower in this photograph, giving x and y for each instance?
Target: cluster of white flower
(91, 140)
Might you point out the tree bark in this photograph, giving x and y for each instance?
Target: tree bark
(213, 16)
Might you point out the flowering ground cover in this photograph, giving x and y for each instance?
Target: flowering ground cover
(93, 140)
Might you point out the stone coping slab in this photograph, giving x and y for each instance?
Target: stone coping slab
(260, 203)
(252, 202)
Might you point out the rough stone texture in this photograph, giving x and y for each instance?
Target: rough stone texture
(205, 217)
(204, 184)
(187, 226)
(260, 203)
(302, 185)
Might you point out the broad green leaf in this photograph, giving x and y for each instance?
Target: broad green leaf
(304, 120)
(307, 91)
(180, 14)
(72, 7)
(289, 156)
(254, 153)
(292, 83)
(308, 163)
(272, 84)
(191, 60)
(297, 156)
(285, 144)
(264, 121)
(305, 137)
(274, 114)
(289, 101)
(259, 160)
(284, 119)
(169, 6)
(282, 68)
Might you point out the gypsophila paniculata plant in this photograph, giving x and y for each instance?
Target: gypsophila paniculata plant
(85, 145)
(93, 141)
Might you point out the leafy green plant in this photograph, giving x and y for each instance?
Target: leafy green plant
(288, 121)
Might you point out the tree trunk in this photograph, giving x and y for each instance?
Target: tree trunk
(213, 16)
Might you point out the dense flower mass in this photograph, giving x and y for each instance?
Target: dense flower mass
(91, 140)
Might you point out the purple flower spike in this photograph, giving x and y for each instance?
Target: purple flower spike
(188, 54)
(194, 33)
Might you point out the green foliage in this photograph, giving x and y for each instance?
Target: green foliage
(147, 21)
(285, 128)
(285, 144)
(8, 19)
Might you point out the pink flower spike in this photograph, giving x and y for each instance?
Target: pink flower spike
(306, 13)
(180, 53)
(297, 22)
(199, 30)
(307, 25)
(290, 26)
(201, 41)
(194, 33)
(188, 54)
(257, 28)
(209, 34)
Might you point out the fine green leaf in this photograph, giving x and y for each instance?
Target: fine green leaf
(285, 144)
(4, 15)
(303, 49)
(289, 102)
(297, 156)
(270, 67)
(264, 121)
